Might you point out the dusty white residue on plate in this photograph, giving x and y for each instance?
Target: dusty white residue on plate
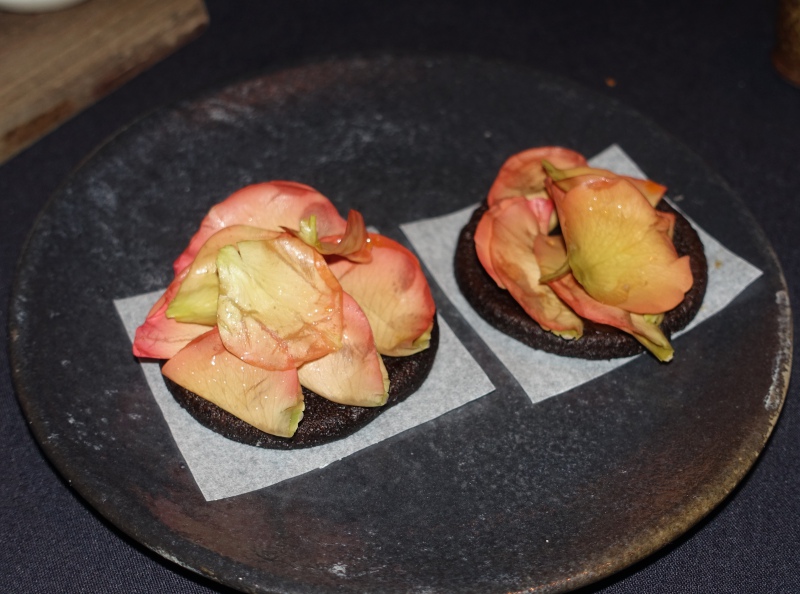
(782, 366)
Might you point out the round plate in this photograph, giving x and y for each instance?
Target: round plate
(498, 495)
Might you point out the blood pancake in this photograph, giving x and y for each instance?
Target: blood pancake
(599, 341)
(323, 420)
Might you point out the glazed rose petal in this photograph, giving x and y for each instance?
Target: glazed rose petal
(483, 239)
(196, 300)
(256, 273)
(354, 374)
(618, 247)
(566, 179)
(353, 244)
(272, 205)
(551, 255)
(514, 231)
(271, 401)
(646, 332)
(279, 304)
(523, 175)
(160, 337)
(394, 294)
(542, 210)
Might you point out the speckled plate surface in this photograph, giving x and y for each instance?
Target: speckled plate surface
(499, 495)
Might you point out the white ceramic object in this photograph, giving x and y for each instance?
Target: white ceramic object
(36, 5)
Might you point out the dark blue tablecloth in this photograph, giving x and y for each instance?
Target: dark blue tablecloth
(699, 68)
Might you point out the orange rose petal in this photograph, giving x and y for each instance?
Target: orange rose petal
(618, 247)
(279, 304)
(566, 179)
(271, 401)
(196, 300)
(666, 224)
(353, 244)
(354, 374)
(515, 230)
(648, 334)
(160, 337)
(541, 210)
(522, 174)
(272, 205)
(551, 254)
(483, 239)
(394, 294)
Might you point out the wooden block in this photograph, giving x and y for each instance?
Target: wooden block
(52, 65)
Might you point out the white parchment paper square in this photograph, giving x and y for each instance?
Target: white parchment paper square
(223, 468)
(541, 374)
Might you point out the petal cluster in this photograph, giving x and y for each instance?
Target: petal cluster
(277, 291)
(570, 242)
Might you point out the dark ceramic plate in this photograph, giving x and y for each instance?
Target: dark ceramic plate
(497, 496)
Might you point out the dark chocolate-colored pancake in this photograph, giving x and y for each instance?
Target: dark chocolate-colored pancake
(599, 341)
(323, 421)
